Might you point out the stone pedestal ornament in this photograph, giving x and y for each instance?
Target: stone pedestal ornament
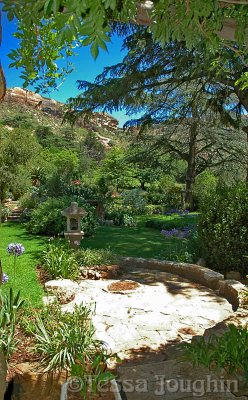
(73, 232)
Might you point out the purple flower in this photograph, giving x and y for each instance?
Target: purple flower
(15, 249)
(5, 278)
(177, 233)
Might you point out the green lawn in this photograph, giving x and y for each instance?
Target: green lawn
(25, 276)
(136, 241)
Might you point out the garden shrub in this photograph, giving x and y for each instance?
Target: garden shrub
(223, 229)
(134, 201)
(89, 221)
(204, 185)
(95, 257)
(4, 212)
(168, 193)
(46, 219)
(154, 209)
(121, 218)
(29, 201)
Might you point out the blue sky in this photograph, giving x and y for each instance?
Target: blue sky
(86, 67)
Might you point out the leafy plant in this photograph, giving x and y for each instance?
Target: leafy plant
(134, 201)
(95, 257)
(94, 376)
(46, 219)
(121, 218)
(228, 351)
(4, 212)
(59, 261)
(223, 228)
(60, 338)
(11, 305)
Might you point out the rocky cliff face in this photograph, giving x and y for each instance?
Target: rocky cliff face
(53, 107)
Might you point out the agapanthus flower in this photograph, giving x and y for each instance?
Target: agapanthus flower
(15, 249)
(5, 278)
(177, 233)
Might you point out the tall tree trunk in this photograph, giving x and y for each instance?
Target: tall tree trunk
(191, 167)
(243, 98)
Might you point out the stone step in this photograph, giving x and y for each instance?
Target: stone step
(174, 380)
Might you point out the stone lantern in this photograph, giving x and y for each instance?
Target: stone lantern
(73, 215)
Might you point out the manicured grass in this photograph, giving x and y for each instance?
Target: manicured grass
(26, 279)
(134, 241)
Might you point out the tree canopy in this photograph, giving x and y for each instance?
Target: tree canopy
(49, 30)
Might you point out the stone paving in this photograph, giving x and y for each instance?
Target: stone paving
(175, 380)
(164, 309)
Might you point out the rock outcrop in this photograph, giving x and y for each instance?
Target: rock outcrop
(22, 96)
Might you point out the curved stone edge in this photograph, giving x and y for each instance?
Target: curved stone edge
(231, 290)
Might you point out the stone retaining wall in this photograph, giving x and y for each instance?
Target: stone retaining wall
(229, 289)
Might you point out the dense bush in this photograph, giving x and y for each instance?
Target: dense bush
(223, 229)
(4, 212)
(89, 221)
(167, 193)
(122, 218)
(134, 201)
(46, 219)
(204, 185)
(154, 209)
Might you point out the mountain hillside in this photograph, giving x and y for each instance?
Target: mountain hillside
(46, 111)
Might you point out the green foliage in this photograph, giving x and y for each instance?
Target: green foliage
(60, 338)
(182, 251)
(223, 228)
(175, 221)
(59, 261)
(88, 221)
(94, 147)
(18, 120)
(46, 219)
(228, 351)
(152, 209)
(134, 201)
(28, 200)
(205, 183)
(95, 257)
(58, 169)
(4, 212)
(94, 377)
(11, 305)
(122, 218)
(49, 30)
